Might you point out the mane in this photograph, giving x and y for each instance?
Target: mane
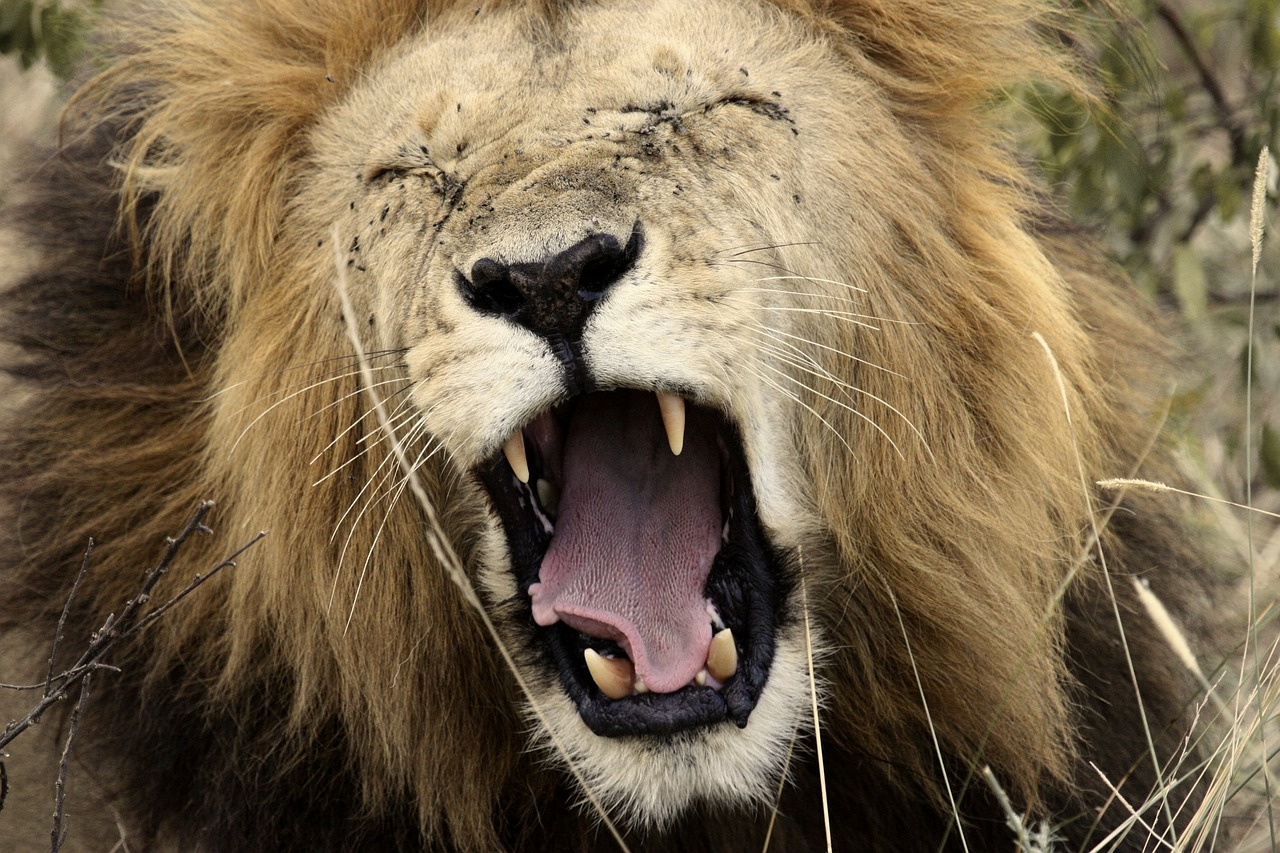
(211, 332)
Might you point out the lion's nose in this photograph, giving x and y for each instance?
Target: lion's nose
(554, 297)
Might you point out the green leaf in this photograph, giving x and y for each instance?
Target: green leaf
(1190, 285)
(1269, 454)
(16, 34)
(64, 39)
(11, 14)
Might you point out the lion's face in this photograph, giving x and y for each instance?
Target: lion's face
(725, 335)
(600, 257)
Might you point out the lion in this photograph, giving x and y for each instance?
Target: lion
(676, 424)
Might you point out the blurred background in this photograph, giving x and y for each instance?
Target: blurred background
(1163, 171)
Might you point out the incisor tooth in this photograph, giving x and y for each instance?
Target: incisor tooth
(672, 408)
(514, 451)
(722, 656)
(701, 678)
(614, 676)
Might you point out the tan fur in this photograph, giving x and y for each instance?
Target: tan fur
(941, 499)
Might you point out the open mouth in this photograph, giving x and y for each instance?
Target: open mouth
(636, 546)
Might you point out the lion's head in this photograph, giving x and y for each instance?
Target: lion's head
(733, 359)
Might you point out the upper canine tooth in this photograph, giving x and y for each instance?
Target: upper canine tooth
(672, 408)
(514, 451)
(722, 656)
(614, 676)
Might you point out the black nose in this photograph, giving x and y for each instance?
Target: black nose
(554, 297)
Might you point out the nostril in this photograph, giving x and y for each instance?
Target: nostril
(554, 296)
(596, 278)
(490, 289)
(609, 264)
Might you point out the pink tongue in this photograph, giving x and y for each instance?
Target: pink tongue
(636, 534)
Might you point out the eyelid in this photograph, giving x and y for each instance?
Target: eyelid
(396, 171)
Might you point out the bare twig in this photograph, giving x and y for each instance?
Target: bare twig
(1227, 115)
(229, 562)
(126, 624)
(40, 685)
(130, 622)
(62, 620)
(59, 835)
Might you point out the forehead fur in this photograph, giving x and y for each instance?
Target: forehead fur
(221, 95)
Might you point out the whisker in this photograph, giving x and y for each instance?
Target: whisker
(283, 391)
(377, 536)
(369, 442)
(281, 402)
(766, 247)
(814, 279)
(800, 294)
(769, 330)
(373, 479)
(378, 495)
(858, 319)
(767, 264)
(822, 373)
(795, 357)
(282, 371)
(812, 411)
(339, 400)
(355, 423)
(842, 405)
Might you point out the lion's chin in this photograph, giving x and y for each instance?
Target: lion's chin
(651, 781)
(639, 558)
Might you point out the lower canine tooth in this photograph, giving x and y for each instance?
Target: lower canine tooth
(722, 656)
(514, 451)
(549, 497)
(672, 408)
(614, 676)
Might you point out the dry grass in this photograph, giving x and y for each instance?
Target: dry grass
(1237, 728)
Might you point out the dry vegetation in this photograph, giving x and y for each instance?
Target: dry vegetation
(1176, 173)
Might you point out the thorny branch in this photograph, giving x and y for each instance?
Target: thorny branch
(117, 628)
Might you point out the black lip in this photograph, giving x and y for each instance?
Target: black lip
(746, 583)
